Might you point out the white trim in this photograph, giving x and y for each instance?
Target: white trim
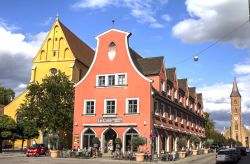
(112, 29)
(138, 105)
(82, 136)
(107, 80)
(112, 125)
(158, 144)
(123, 137)
(91, 66)
(84, 107)
(105, 105)
(132, 63)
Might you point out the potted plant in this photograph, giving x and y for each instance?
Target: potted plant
(96, 142)
(118, 143)
(207, 145)
(195, 141)
(53, 140)
(182, 143)
(136, 142)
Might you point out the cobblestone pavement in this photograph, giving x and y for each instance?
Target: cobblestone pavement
(18, 158)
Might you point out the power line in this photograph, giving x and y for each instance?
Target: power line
(215, 42)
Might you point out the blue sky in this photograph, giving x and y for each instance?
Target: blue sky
(175, 29)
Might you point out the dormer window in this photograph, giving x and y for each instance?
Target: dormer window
(112, 51)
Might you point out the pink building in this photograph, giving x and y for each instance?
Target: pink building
(124, 95)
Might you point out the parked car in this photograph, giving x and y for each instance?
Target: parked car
(243, 150)
(248, 150)
(227, 155)
(237, 151)
(37, 150)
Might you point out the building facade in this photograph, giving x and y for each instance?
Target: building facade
(124, 95)
(61, 50)
(237, 131)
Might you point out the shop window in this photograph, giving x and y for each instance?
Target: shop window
(88, 135)
(130, 134)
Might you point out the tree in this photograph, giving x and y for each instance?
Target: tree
(195, 140)
(6, 95)
(7, 125)
(209, 125)
(25, 130)
(49, 105)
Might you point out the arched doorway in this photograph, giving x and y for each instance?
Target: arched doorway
(87, 137)
(108, 139)
(129, 135)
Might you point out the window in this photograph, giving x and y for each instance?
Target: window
(162, 110)
(101, 80)
(181, 118)
(121, 79)
(187, 120)
(175, 94)
(111, 80)
(236, 125)
(192, 120)
(89, 107)
(156, 107)
(88, 136)
(80, 74)
(53, 71)
(187, 102)
(132, 106)
(175, 115)
(180, 96)
(169, 113)
(110, 107)
(169, 90)
(163, 86)
(130, 134)
(112, 51)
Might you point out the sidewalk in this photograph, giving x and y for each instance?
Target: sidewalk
(12, 154)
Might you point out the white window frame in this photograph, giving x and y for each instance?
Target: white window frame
(107, 80)
(187, 120)
(105, 105)
(85, 107)
(169, 90)
(163, 89)
(175, 94)
(138, 105)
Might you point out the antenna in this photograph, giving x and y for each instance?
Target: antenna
(57, 15)
(113, 23)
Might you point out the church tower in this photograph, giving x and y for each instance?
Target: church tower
(236, 120)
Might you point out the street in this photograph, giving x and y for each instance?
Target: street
(21, 159)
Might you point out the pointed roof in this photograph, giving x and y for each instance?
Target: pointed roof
(192, 92)
(182, 83)
(199, 98)
(171, 74)
(235, 91)
(80, 50)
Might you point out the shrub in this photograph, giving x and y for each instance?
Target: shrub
(96, 140)
(208, 143)
(138, 141)
(118, 141)
(182, 142)
(195, 140)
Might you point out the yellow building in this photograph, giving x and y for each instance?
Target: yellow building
(61, 50)
(237, 131)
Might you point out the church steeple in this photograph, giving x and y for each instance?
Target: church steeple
(235, 91)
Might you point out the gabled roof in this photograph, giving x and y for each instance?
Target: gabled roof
(171, 74)
(182, 83)
(192, 92)
(199, 98)
(80, 50)
(147, 66)
(235, 91)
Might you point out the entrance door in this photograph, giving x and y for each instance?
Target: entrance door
(109, 140)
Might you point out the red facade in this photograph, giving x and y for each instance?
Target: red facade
(124, 95)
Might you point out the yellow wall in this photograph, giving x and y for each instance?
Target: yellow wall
(54, 53)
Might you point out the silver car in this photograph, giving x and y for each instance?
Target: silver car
(227, 155)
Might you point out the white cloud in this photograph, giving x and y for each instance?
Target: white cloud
(242, 68)
(166, 17)
(143, 10)
(16, 53)
(211, 20)
(46, 22)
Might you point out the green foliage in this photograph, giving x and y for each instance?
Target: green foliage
(6, 95)
(195, 140)
(182, 143)
(7, 126)
(209, 125)
(218, 138)
(208, 143)
(118, 141)
(95, 140)
(49, 105)
(138, 141)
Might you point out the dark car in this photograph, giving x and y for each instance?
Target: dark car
(37, 150)
(243, 150)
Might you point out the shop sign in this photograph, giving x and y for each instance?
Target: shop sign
(109, 120)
